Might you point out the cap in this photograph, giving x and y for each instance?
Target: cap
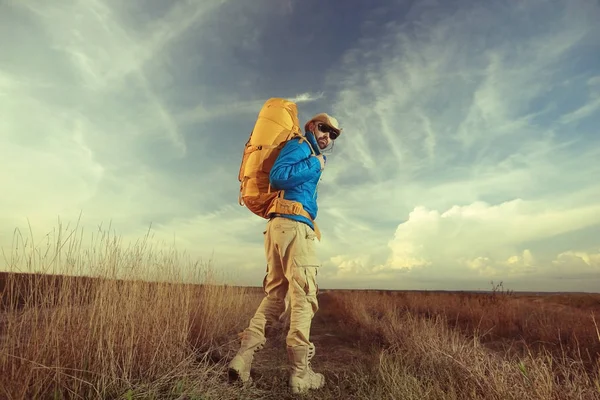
(326, 119)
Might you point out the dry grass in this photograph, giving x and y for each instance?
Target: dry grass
(425, 357)
(152, 324)
(509, 322)
(67, 336)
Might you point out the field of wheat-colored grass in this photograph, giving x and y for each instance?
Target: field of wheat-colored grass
(150, 324)
(478, 346)
(113, 335)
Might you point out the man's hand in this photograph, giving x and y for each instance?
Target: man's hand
(322, 160)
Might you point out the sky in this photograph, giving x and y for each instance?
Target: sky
(470, 151)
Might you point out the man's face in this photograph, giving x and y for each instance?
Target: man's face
(323, 134)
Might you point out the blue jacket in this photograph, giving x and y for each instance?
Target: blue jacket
(298, 174)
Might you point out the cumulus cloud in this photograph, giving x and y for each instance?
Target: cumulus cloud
(349, 266)
(515, 265)
(578, 262)
(483, 238)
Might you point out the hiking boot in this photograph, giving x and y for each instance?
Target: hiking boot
(303, 378)
(239, 367)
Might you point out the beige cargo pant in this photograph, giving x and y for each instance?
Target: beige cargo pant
(291, 265)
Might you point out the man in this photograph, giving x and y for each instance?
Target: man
(291, 260)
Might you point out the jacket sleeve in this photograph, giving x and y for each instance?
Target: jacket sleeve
(292, 167)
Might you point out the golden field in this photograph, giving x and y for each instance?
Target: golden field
(66, 336)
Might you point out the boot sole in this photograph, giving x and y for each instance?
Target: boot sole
(302, 389)
(297, 390)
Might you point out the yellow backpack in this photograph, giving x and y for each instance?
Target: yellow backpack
(276, 124)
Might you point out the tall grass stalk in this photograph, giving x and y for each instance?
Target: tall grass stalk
(99, 319)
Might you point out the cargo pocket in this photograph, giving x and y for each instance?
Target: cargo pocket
(300, 277)
(305, 277)
(305, 254)
(312, 289)
(310, 234)
(311, 280)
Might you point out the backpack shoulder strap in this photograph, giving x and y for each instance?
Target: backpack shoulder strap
(303, 139)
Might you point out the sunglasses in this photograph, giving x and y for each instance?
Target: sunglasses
(327, 129)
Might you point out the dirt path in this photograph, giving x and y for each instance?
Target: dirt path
(339, 356)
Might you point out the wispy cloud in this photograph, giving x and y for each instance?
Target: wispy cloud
(83, 119)
(456, 111)
(470, 140)
(103, 53)
(590, 108)
(201, 113)
(307, 97)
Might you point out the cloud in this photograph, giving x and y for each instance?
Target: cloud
(470, 140)
(455, 139)
(590, 108)
(480, 229)
(578, 263)
(447, 88)
(90, 96)
(200, 113)
(108, 58)
(217, 231)
(348, 266)
(488, 239)
(515, 265)
(307, 97)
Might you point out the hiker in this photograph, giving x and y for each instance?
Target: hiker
(291, 260)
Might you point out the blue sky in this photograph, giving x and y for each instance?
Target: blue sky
(470, 151)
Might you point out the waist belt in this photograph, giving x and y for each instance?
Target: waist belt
(283, 206)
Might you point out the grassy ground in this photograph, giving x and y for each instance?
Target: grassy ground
(476, 347)
(117, 337)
